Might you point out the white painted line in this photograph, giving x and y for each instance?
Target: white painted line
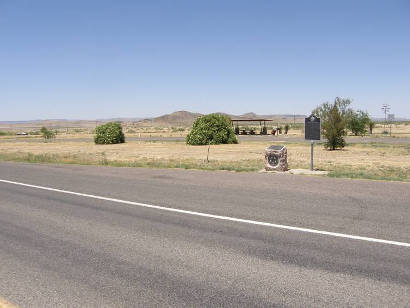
(252, 222)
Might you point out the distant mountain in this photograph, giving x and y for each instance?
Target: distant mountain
(274, 117)
(250, 115)
(33, 121)
(395, 119)
(178, 118)
(52, 124)
(120, 120)
(186, 118)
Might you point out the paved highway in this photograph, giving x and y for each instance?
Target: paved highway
(84, 236)
(263, 138)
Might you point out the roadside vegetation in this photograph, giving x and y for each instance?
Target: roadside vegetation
(372, 160)
(47, 134)
(358, 122)
(102, 160)
(109, 133)
(369, 161)
(337, 119)
(212, 129)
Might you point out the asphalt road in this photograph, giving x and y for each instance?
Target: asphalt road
(63, 250)
(263, 138)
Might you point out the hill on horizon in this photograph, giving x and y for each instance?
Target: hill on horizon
(180, 118)
(185, 118)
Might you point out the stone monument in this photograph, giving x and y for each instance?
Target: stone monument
(276, 158)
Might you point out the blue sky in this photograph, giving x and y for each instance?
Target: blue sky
(99, 59)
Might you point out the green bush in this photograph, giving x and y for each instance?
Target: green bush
(47, 134)
(357, 121)
(334, 118)
(371, 125)
(334, 129)
(109, 133)
(211, 129)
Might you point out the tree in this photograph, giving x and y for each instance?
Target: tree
(47, 134)
(334, 128)
(357, 122)
(334, 118)
(211, 129)
(109, 133)
(342, 104)
(371, 126)
(286, 128)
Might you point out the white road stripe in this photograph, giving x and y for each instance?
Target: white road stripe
(252, 222)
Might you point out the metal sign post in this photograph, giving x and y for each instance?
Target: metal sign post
(311, 155)
(312, 132)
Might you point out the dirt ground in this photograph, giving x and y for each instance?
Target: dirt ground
(376, 156)
(398, 130)
(368, 155)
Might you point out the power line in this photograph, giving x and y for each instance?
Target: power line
(385, 109)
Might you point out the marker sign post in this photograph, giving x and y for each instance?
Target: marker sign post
(312, 133)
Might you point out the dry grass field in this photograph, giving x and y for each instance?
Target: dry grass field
(86, 129)
(397, 130)
(372, 161)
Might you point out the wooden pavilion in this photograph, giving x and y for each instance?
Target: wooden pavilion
(236, 123)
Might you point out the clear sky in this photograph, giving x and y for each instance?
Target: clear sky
(82, 59)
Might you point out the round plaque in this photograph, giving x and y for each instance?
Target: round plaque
(276, 158)
(273, 160)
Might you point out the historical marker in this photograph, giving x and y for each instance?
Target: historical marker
(312, 128)
(276, 158)
(312, 133)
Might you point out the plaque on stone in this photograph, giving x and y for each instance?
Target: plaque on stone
(276, 158)
(312, 128)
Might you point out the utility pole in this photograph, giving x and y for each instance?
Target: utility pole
(385, 109)
(390, 119)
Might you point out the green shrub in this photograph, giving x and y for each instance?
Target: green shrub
(371, 126)
(211, 129)
(334, 118)
(109, 133)
(357, 121)
(47, 134)
(334, 129)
